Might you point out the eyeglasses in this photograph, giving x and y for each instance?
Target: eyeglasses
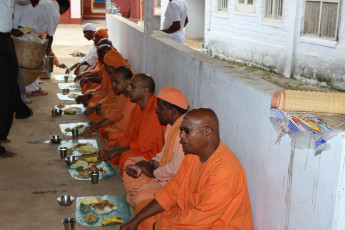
(188, 131)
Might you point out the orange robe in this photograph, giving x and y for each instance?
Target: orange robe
(107, 103)
(93, 85)
(142, 189)
(118, 112)
(209, 195)
(144, 135)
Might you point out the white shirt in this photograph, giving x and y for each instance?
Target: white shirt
(42, 18)
(176, 11)
(6, 11)
(19, 11)
(91, 56)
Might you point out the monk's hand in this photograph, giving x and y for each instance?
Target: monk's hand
(130, 225)
(133, 171)
(88, 131)
(78, 77)
(146, 167)
(90, 110)
(98, 109)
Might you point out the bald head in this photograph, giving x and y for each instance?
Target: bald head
(105, 41)
(200, 133)
(205, 117)
(146, 81)
(102, 51)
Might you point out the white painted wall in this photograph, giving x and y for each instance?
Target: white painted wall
(247, 37)
(75, 9)
(196, 16)
(289, 189)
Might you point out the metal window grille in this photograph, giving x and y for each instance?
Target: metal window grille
(273, 9)
(246, 2)
(248, 6)
(321, 18)
(223, 5)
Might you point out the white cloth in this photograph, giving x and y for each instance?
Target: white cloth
(176, 11)
(42, 18)
(91, 56)
(164, 173)
(89, 27)
(6, 11)
(19, 11)
(34, 86)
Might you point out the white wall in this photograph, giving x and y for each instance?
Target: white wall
(196, 16)
(247, 37)
(289, 189)
(75, 9)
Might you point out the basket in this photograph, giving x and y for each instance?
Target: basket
(29, 54)
(309, 101)
(30, 75)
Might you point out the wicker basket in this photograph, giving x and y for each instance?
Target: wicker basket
(30, 75)
(29, 54)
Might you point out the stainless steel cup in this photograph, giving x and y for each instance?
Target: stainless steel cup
(75, 133)
(54, 112)
(68, 223)
(94, 177)
(65, 91)
(63, 152)
(66, 78)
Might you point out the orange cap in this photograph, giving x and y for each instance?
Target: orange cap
(102, 33)
(174, 96)
(114, 59)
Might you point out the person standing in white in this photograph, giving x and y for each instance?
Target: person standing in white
(175, 20)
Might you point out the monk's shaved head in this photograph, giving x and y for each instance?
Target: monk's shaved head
(204, 117)
(146, 81)
(199, 133)
(105, 41)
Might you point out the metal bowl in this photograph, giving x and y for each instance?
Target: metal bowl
(59, 112)
(71, 159)
(65, 200)
(56, 139)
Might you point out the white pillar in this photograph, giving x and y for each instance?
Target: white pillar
(293, 35)
(148, 29)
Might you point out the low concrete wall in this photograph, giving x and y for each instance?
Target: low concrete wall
(289, 188)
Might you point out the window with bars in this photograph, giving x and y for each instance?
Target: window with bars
(222, 6)
(248, 6)
(273, 9)
(321, 18)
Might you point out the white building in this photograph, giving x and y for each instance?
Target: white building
(300, 38)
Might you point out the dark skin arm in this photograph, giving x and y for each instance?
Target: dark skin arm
(175, 26)
(106, 154)
(88, 79)
(87, 132)
(80, 76)
(84, 99)
(96, 108)
(149, 210)
(148, 167)
(50, 42)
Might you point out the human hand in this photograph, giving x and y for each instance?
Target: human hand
(87, 131)
(78, 77)
(106, 154)
(63, 66)
(146, 167)
(90, 110)
(133, 171)
(98, 109)
(130, 225)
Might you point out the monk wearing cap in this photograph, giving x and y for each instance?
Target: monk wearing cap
(117, 117)
(142, 177)
(89, 60)
(209, 190)
(144, 135)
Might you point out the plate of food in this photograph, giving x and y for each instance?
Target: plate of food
(111, 210)
(66, 129)
(69, 97)
(72, 110)
(73, 146)
(71, 86)
(81, 171)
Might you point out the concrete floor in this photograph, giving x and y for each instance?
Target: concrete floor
(31, 181)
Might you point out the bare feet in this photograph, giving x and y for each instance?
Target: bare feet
(7, 154)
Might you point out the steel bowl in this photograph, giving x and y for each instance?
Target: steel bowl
(71, 159)
(56, 139)
(65, 200)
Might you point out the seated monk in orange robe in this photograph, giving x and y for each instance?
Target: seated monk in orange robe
(105, 87)
(118, 115)
(112, 60)
(144, 135)
(209, 190)
(142, 177)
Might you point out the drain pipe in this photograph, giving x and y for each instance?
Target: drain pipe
(148, 29)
